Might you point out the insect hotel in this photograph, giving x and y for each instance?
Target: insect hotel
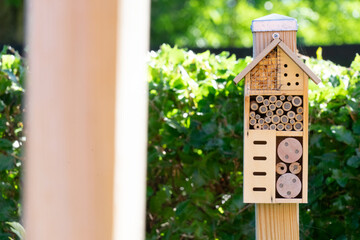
(276, 115)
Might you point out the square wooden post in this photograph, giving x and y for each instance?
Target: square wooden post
(277, 221)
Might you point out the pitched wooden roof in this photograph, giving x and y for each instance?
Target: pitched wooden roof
(266, 51)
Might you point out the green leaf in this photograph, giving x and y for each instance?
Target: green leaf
(340, 177)
(7, 61)
(181, 207)
(356, 127)
(2, 105)
(6, 162)
(356, 63)
(354, 161)
(18, 229)
(11, 76)
(319, 53)
(343, 135)
(5, 144)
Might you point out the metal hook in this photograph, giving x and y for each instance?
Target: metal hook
(275, 35)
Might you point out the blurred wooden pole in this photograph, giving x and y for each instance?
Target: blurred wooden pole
(277, 221)
(131, 120)
(70, 119)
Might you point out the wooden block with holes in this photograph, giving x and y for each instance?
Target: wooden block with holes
(259, 162)
(276, 114)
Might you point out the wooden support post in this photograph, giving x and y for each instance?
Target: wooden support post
(71, 119)
(86, 94)
(277, 221)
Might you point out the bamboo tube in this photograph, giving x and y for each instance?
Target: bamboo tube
(254, 106)
(295, 168)
(257, 126)
(280, 127)
(263, 109)
(273, 126)
(275, 119)
(282, 97)
(261, 121)
(269, 113)
(299, 110)
(288, 127)
(284, 119)
(272, 99)
(257, 116)
(299, 117)
(279, 112)
(298, 126)
(287, 106)
(272, 107)
(259, 99)
(291, 114)
(252, 121)
(278, 103)
(281, 168)
(252, 114)
(292, 121)
(266, 126)
(289, 98)
(266, 102)
(268, 119)
(296, 101)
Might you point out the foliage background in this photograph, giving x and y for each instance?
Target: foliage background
(222, 23)
(225, 23)
(195, 149)
(12, 72)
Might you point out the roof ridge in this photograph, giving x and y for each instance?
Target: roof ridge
(277, 42)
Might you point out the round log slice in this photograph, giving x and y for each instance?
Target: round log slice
(289, 150)
(288, 185)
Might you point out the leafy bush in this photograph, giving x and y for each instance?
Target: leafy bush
(195, 149)
(12, 73)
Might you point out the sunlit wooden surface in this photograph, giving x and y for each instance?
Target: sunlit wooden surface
(70, 119)
(277, 221)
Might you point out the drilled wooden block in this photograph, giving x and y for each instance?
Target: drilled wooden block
(288, 185)
(289, 150)
(259, 157)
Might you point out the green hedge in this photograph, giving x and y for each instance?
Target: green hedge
(195, 148)
(194, 188)
(12, 73)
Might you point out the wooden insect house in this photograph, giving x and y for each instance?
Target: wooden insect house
(276, 115)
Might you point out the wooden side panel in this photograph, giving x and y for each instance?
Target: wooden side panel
(277, 221)
(305, 139)
(291, 74)
(263, 39)
(259, 166)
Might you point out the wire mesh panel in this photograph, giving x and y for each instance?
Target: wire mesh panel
(266, 74)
